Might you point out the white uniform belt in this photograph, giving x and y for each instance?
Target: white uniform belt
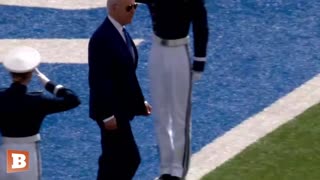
(171, 42)
(28, 139)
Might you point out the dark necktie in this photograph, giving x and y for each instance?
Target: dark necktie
(129, 43)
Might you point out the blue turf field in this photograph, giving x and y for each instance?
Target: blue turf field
(259, 50)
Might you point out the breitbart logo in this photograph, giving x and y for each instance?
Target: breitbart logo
(17, 161)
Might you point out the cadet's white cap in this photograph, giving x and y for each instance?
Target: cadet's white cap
(22, 59)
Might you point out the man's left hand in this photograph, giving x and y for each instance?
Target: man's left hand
(148, 107)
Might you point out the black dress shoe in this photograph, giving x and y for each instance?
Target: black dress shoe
(164, 177)
(175, 178)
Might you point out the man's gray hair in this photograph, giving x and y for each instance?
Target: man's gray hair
(111, 3)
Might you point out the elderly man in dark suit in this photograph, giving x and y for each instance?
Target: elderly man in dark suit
(115, 94)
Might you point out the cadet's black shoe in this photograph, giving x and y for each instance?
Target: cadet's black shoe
(164, 177)
(175, 178)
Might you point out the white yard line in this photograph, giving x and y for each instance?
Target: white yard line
(54, 50)
(234, 141)
(59, 4)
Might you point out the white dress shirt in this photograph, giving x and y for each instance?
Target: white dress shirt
(118, 27)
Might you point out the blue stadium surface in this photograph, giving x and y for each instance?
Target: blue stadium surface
(259, 50)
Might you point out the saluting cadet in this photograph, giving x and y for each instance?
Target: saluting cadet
(171, 74)
(22, 112)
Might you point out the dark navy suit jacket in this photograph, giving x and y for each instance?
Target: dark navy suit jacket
(114, 87)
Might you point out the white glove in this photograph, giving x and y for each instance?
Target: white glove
(196, 76)
(43, 78)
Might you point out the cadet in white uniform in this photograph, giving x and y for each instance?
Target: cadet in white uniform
(171, 73)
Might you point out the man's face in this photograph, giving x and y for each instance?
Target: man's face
(125, 11)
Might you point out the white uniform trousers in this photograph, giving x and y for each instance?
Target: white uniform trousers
(170, 76)
(34, 172)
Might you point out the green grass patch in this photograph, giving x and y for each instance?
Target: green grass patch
(291, 152)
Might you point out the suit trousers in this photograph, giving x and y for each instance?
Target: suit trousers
(170, 80)
(120, 157)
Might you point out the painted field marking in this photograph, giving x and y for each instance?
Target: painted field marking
(249, 131)
(57, 4)
(54, 50)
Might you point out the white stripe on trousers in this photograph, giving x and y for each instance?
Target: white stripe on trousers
(169, 71)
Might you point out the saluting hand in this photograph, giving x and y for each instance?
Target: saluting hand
(43, 78)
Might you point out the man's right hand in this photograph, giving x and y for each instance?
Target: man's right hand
(111, 124)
